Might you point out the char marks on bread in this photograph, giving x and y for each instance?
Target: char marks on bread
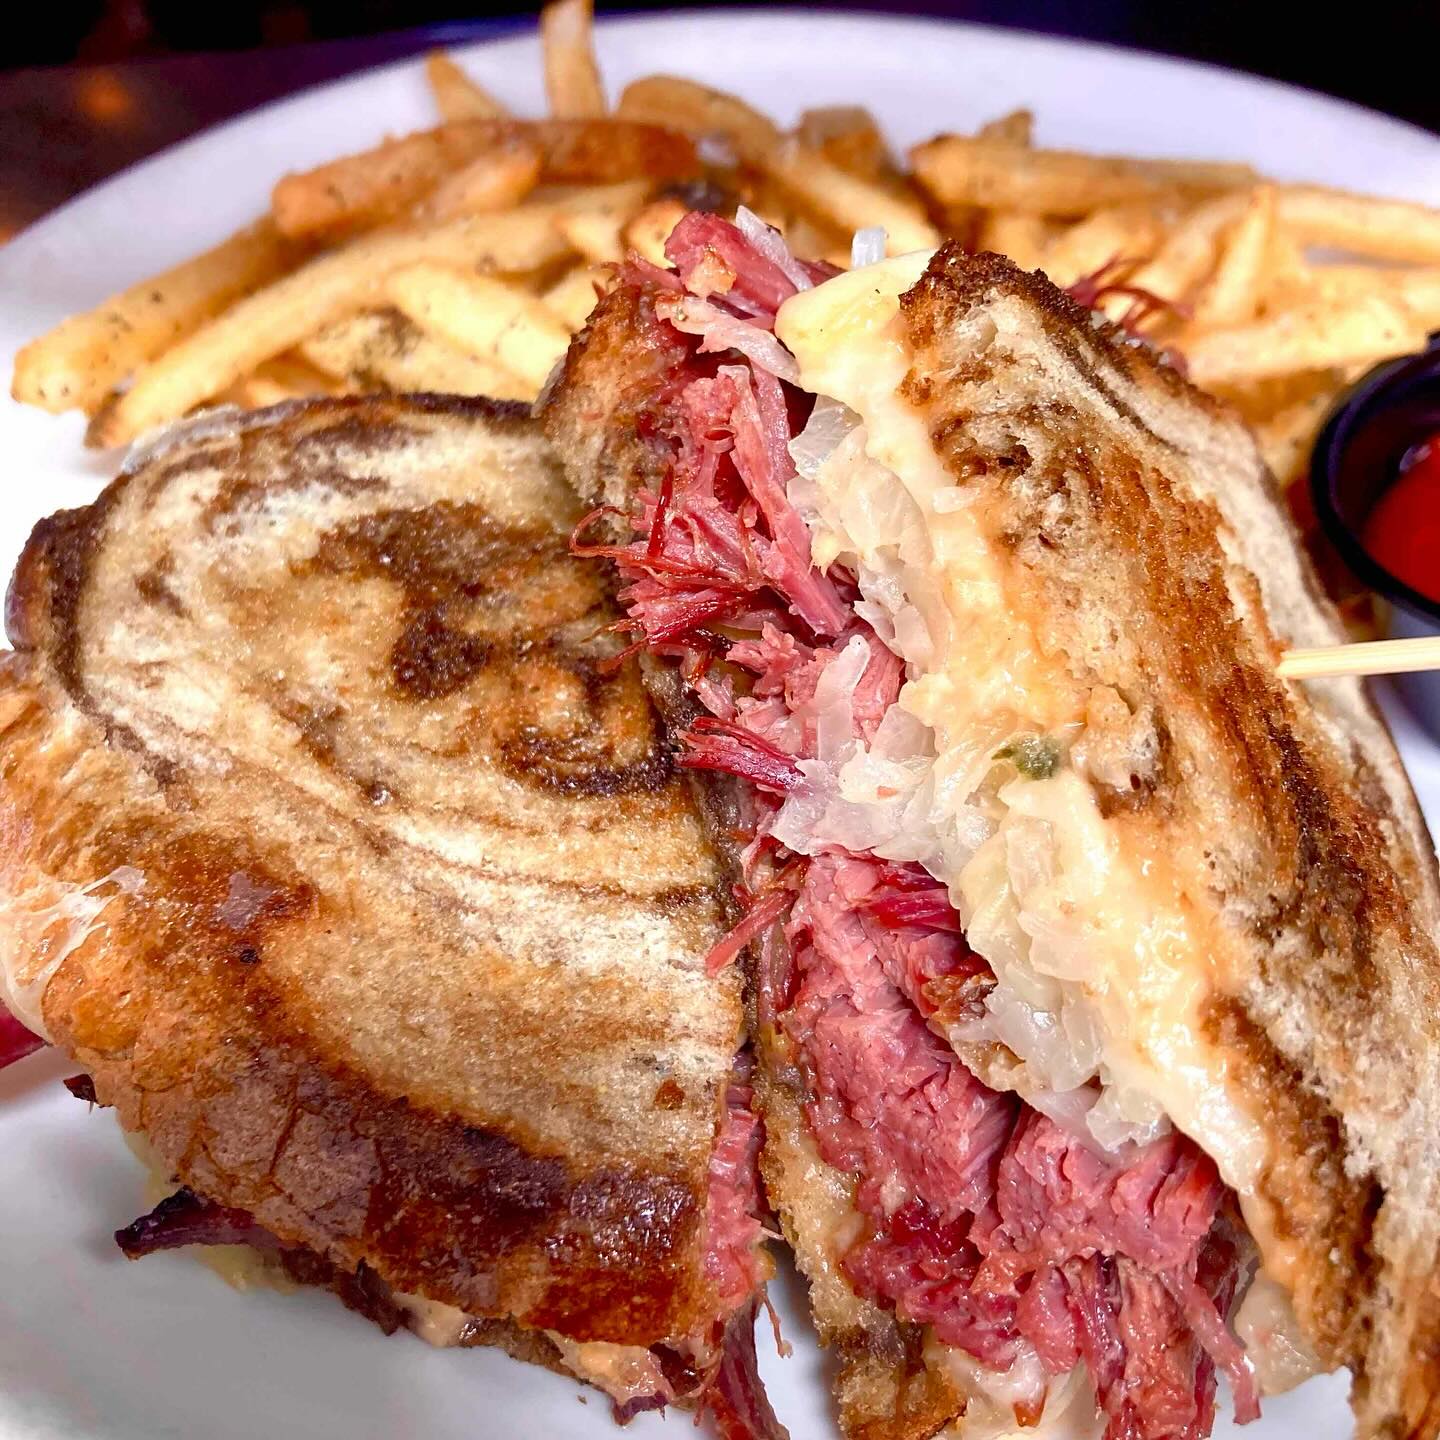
(313, 771)
(1140, 523)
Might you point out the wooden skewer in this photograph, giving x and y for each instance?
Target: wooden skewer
(1369, 657)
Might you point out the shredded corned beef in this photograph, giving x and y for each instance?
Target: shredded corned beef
(1113, 279)
(985, 1219)
(735, 1398)
(733, 1207)
(186, 1218)
(16, 1042)
(982, 1209)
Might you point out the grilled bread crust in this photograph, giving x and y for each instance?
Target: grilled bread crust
(1140, 524)
(356, 881)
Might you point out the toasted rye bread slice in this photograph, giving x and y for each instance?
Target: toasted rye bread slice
(1134, 516)
(354, 880)
(1141, 523)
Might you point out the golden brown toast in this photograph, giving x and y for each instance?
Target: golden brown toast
(1132, 525)
(354, 878)
(1142, 524)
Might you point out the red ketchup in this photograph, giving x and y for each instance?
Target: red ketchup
(1402, 532)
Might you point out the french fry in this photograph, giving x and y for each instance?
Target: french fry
(329, 287)
(606, 151)
(1021, 236)
(382, 350)
(371, 187)
(1016, 128)
(571, 298)
(700, 111)
(811, 240)
(1260, 399)
(1285, 265)
(297, 374)
(1366, 225)
(596, 230)
(1187, 255)
(378, 184)
(647, 231)
(848, 201)
(496, 180)
(483, 317)
(599, 238)
(1122, 232)
(459, 96)
(77, 364)
(1307, 337)
(572, 78)
(848, 136)
(1287, 437)
(255, 392)
(969, 221)
(1418, 289)
(1232, 294)
(961, 170)
(286, 377)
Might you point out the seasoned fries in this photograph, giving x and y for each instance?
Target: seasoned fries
(496, 180)
(964, 170)
(283, 314)
(647, 233)
(1307, 338)
(1418, 290)
(381, 349)
(1188, 254)
(1114, 233)
(459, 96)
(1024, 238)
(849, 201)
(1385, 229)
(698, 110)
(377, 185)
(484, 317)
(1286, 437)
(848, 136)
(594, 231)
(1232, 295)
(364, 190)
(571, 298)
(1016, 128)
(78, 363)
(572, 78)
(601, 152)
(461, 258)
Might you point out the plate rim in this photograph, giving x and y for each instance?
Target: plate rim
(50, 228)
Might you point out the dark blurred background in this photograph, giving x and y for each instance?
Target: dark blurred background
(89, 86)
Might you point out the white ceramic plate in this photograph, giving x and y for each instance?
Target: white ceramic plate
(92, 1347)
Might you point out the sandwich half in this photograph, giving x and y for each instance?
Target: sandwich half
(362, 886)
(1093, 967)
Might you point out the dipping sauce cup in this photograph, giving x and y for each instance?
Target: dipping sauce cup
(1375, 482)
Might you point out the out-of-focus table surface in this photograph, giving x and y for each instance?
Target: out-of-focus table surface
(64, 129)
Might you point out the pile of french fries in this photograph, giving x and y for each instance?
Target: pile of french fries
(463, 257)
